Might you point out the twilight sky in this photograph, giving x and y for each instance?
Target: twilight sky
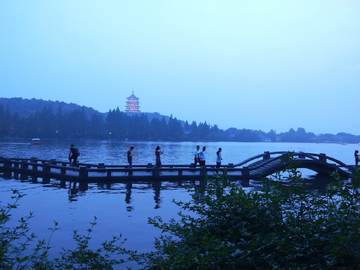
(246, 64)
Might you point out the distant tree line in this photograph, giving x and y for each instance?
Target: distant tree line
(46, 123)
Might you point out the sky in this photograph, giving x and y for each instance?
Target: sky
(257, 65)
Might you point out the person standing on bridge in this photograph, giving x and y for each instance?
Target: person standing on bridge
(73, 154)
(356, 155)
(130, 154)
(202, 157)
(196, 155)
(218, 158)
(158, 152)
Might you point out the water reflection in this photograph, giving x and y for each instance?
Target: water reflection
(79, 189)
(128, 192)
(157, 187)
(318, 182)
(73, 191)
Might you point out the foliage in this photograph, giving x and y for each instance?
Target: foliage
(16, 251)
(282, 226)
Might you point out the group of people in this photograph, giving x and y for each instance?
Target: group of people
(158, 152)
(199, 156)
(74, 154)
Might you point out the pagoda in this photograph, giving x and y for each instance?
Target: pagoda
(132, 103)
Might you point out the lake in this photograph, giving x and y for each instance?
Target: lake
(117, 210)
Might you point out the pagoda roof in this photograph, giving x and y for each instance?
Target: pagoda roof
(132, 97)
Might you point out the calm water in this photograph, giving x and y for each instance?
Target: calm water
(118, 211)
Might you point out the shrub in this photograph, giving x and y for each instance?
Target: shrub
(283, 226)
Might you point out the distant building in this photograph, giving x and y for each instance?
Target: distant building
(132, 103)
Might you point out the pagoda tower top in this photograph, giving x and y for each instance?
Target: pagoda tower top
(132, 103)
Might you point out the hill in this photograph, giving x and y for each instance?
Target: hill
(26, 107)
(39, 118)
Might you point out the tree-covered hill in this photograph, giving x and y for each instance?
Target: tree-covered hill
(54, 119)
(26, 107)
(25, 118)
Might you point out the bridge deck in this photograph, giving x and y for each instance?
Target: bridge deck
(256, 167)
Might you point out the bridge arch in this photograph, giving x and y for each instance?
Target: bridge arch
(270, 162)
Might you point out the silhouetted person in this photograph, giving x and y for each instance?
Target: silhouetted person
(158, 152)
(218, 158)
(130, 155)
(356, 155)
(73, 154)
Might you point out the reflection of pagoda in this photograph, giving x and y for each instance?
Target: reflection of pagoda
(132, 103)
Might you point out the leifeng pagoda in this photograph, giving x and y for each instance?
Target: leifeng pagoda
(132, 103)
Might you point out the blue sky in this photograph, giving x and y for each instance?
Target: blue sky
(246, 64)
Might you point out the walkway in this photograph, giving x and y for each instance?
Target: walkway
(253, 168)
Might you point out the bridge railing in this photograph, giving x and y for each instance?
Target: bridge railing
(301, 155)
(323, 158)
(266, 155)
(53, 168)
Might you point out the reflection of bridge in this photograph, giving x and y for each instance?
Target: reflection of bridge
(253, 168)
(78, 189)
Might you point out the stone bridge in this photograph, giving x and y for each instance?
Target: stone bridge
(253, 168)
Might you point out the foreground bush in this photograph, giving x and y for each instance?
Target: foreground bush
(284, 226)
